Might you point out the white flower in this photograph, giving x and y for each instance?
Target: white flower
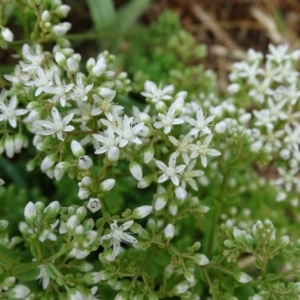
(182, 146)
(278, 54)
(189, 173)
(170, 172)
(80, 91)
(105, 104)
(94, 204)
(288, 178)
(117, 235)
(168, 120)
(56, 125)
(33, 56)
(156, 94)
(128, 132)
(203, 150)
(9, 112)
(109, 142)
(59, 91)
(200, 124)
(44, 277)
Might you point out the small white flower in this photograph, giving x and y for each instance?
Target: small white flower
(84, 162)
(10, 111)
(44, 277)
(117, 235)
(57, 125)
(129, 133)
(94, 204)
(171, 171)
(168, 120)
(157, 94)
(80, 91)
(203, 150)
(200, 124)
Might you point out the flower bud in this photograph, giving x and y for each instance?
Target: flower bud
(233, 88)
(84, 162)
(255, 147)
(136, 170)
(169, 231)
(169, 271)
(122, 296)
(48, 162)
(93, 277)
(107, 185)
(83, 193)
(59, 170)
(19, 292)
(145, 181)
(60, 59)
(9, 146)
(160, 202)
(243, 277)
(173, 208)
(90, 63)
(86, 181)
(3, 225)
(99, 68)
(7, 35)
(221, 127)
(52, 210)
(284, 241)
(81, 213)
(180, 193)
(148, 154)
(1, 181)
(141, 212)
(45, 16)
(72, 65)
(77, 149)
(63, 10)
(113, 154)
(94, 204)
(181, 288)
(30, 213)
(61, 28)
(72, 223)
(200, 259)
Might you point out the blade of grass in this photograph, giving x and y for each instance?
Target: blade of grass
(103, 14)
(129, 14)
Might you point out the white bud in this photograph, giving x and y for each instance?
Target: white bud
(48, 162)
(63, 10)
(255, 147)
(77, 149)
(7, 35)
(59, 170)
(61, 28)
(181, 288)
(72, 223)
(144, 182)
(148, 155)
(245, 118)
(180, 193)
(99, 68)
(200, 259)
(81, 213)
(45, 16)
(90, 63)
(83, 193)
(173, 208)
(30, 212)
(108, 184)
(169, 231)
(1, 181)
(84, 162)
(113, 153)
(217, 111)
(221, 127)
(280, 196)
(244, 278)
(52, 209)
(233, 88)
(285, 154)
(160, 202)
(72, 65)
(136, 170)
(19, 292)
(60, 59)
(86, 181)
(94, 204)
(142, 212)
(9, 146)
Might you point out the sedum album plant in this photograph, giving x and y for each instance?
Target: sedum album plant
(176, 196)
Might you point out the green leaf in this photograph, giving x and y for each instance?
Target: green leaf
(29, 274)
(7, 257)
(103, 14)
(129, 14)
